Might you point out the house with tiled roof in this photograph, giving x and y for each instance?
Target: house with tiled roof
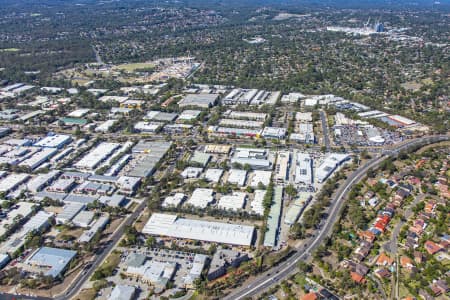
(310, 296)
(384, 260)
(357, 277)
(432, 248)
(367, 236)
(406, 262)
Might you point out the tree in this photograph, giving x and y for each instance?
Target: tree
(291, 191)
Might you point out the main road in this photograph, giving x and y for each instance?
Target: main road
(282, 271)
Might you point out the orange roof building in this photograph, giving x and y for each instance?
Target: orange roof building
(310, 296)
(357, 278)
(384, 260)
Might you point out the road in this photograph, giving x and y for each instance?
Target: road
(280, 272)
(326, 137)
(392, 245)
(74, 289)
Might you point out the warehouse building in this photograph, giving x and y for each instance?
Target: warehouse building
(155, 115)
(304, 135)
(52, 261)
(254, 157)
(189, 115)
(174, 201)
(149, 127)
(282, 167)
(200, 158)
(199, 100)
(329, 165)
(39, 182)
(213, 175)
(201, 198)
(273, 220)
(54, 141)
(260, 176)
(128, 185)
(303, 168)
(191, 172)
(240, 123)
(172, 226)
(98, 226)
(198, 264)
(296, 208)
(83, 218)
(234, 202)
(245, 115)
(96, 156)
(257, 205)
(12, 181)
(70, 210)
(122, 292)
(238, 177)
(224, 259)
(229, 131)
(152, 153)
(274, 132)
(105, 126)
(38, 158)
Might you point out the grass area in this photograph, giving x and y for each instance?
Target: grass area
(133, 67)
(112, 261)
(86, 294)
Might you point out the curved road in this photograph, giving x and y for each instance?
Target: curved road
(280, 272)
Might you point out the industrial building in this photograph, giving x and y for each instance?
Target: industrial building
(70, 210)
(54, 141)
(282, 167)
(39, 182)
(257, 205)
(254, 157)
(175, 200)
(83, 218)
(292, 97)
(191, 172)
(151, 153)
(155, 115)
(236, 176)
(213, 175)
(172, 226)
(189, 115)
(274, 132)
(296, 208)
(38, 158)
(128, 185)
(198, 264)
(329, 165)
(200, 158)
(199, 100)
(52, 261)
(96, 156)
(105, 126)
(224, 259)
(273, 220)
(123, 292)
(229, 131)
(12, 181)
(260, 177)
(303, 168)
(234, 202)
(245, 115)
(98, 226)
(149, 127)
(154, 272)
(240, 123)
(201, 198)
(304, 135)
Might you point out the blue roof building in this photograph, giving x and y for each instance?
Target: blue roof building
(54, 260)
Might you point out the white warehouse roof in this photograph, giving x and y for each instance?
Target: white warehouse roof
(171, 225)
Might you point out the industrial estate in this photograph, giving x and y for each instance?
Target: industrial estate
(149, 180)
